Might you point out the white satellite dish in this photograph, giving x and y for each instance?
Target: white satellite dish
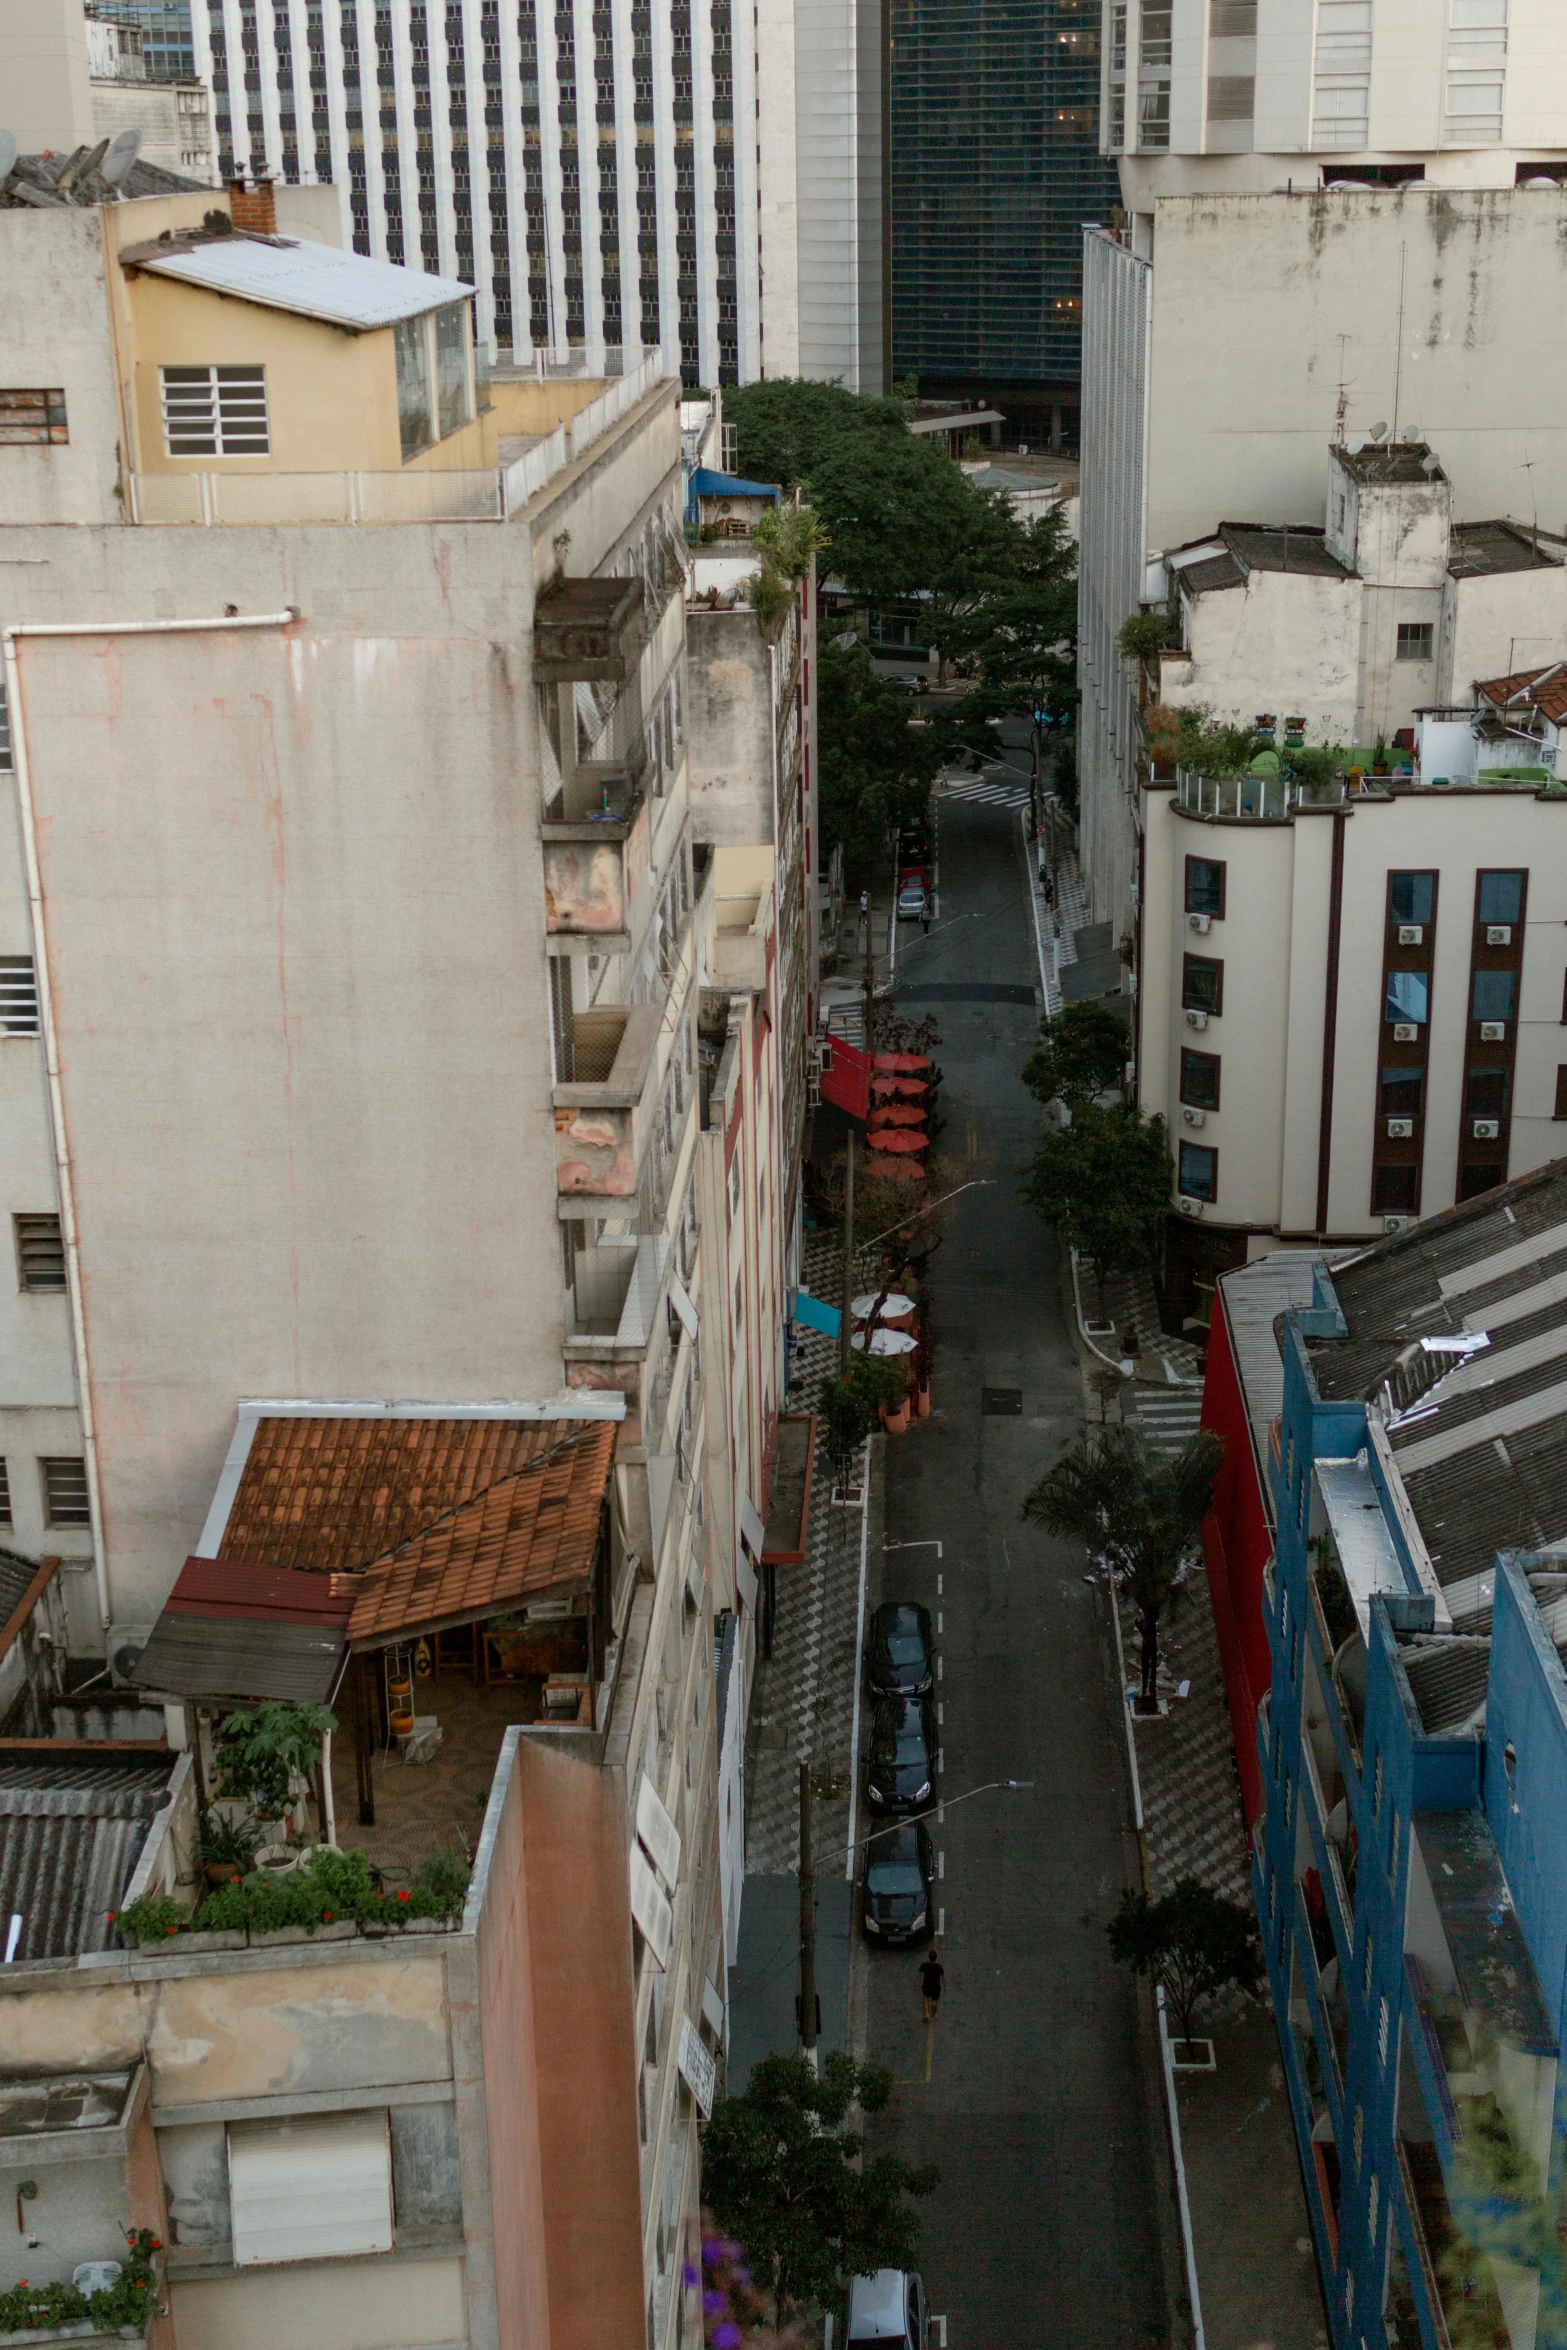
(1542, 180)
(123, 151)
(7, 154)
(1355, 446)
(1379, 432)
(1430, 462)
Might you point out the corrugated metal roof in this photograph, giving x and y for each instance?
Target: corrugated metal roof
(315, 281)
(15, 1576)
(1449, 1674)
(1253, 1297)
(241, 1660)
(71, 1832)
(1478, 550)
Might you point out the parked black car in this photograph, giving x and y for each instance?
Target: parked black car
(898, 1892)
(899, 1657)
(902, 1770)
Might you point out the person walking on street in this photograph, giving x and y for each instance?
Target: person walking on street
(932, 1976)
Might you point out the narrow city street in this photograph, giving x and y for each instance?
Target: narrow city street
(1030, 2090)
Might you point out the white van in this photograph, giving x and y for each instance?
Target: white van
(889, 2310)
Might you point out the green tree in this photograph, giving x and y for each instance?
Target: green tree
(1017, 632)
(1081, 1052)
(265, 1746)
(1139, 1510)
(1194, 1941)
(783, 2175)
(876, 766)
(1104, 1183)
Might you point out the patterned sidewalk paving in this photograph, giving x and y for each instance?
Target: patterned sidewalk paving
(803, 1708)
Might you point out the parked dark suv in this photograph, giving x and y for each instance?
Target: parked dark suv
(899, 1656)
(901, 1773)
(899, 1886)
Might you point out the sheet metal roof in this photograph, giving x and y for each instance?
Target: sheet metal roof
(68, 2101)
(237, 1634)
(16, 1577)
(72, 1829)
(315, 281)
(1478, 550)
(1252, 1298)
(534, 1531)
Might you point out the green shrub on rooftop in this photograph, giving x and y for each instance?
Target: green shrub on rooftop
(331, 1888)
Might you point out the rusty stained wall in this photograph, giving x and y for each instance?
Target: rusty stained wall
(596, 1152)
(1251, 297)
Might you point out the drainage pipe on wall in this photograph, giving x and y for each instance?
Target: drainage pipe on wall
(9, 637)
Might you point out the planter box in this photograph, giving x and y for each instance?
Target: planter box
(1193, 2056)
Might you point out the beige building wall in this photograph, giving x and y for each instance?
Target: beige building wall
(47, 100)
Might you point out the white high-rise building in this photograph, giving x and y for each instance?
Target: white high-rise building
(611, 175)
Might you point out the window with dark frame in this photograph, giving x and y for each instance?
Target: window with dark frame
(1485, 1093)
(1411, 897)
(1493, 995)
(64, 1483)
(32, 419)
(1395, 1190)
(5, 1493)
(1408, 997)
(40, 1252)
(1199, 1171)
(1202, 984)
(1403, 1092)
(1499, 898)
(1205, 887)
(1416, 639)
(1200, 1080)
(1560, 1110)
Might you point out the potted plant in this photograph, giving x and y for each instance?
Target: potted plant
(1379, 756)
(228, 1848)
(267, 1749)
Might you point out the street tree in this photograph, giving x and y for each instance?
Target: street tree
(1104, 1183)
(1192, 1940)
(1017, 636)
(785, 2177)
(1081, 1053)
(1139, 1510)
(876, 766)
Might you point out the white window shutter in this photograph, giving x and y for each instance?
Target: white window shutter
(312, 2189)
(650, 1907)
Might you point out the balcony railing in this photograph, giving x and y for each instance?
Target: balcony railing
(1261, 799)
(601, 1127)
(616, 1288)
(262, 499)
(597, 846)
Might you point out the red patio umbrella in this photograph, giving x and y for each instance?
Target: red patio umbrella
(900, 1064)
(898, 1114)
(895, 1139)
(899, 1170)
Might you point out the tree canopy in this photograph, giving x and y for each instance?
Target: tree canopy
(779, 2171)
(1104, 1183)
(875, 766)
(1081, 1052)
(1194, 1941)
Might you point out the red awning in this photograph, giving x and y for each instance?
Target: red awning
(901, 1064)
(885, 1139)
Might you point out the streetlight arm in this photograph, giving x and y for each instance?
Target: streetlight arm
(947, 1803)
(977, 1183)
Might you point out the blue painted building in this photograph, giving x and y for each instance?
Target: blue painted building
(1410, 1865)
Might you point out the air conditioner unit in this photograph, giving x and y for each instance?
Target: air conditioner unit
(1203, 922)
(1498, 934)
(126, 1642)
(1191, 1207)
(1196, 1019)
(1394, 1223)
(1487, 1129)
(1194, 1117)
(1400, 1129)
(1411, 934)
(1405, 1032)
(1493, 1032)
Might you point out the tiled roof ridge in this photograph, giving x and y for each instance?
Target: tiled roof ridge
(470, 1501)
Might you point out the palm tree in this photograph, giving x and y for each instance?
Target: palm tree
(1139, 1510)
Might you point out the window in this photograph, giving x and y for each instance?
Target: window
(5, 745)
(1560, 1110)
(1232, 20)
(5, 1494)
(1395, 1191)
(32, 419)
(1474, 108)
(410, 343)
(1199, 1177)
(1202, 984)
(1402, 1092)
(1200, 1080)
(215, 411)
(1485, 1093)
(1493, 994)
(64, 1484)
(18, 996)
(1205, 887)
(1411, 897)
(1343, 37)
(451, 365)
(319, 2187)
(1232, 97)
(40, 1252)
(1499, 897)
(1408, 996)
(1415, 639)
(1478, 29)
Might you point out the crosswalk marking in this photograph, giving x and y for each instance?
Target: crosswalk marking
(996, 795)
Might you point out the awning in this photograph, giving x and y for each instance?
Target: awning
(232, 1634)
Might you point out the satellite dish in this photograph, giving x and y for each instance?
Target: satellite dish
(123, 151)
(1542, 180)
(1354, 187)
(1355, 447)
(1379, 432)
(7, 154)
(1430, 462)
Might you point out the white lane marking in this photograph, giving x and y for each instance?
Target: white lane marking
(941, 1622)
(940, 1579)
(941, 1864)
(941, 1922)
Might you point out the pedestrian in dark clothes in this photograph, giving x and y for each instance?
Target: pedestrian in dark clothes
(932, 1975)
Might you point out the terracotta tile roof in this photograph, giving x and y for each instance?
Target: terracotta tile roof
(327, 1495)
(1537, 689)
(531, 1531)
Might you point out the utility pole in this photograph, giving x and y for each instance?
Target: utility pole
(870, 975)
(846, 1321)
(807, 1924)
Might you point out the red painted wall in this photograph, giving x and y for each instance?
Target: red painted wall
(1237, 1545)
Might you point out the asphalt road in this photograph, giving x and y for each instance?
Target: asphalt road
(1029, 2091)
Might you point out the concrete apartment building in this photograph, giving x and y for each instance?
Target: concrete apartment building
(128, 92)
(1349, 994)
(356, 970)
(1393, 1416)
(1333, 221)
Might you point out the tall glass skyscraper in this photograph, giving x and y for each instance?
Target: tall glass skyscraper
(995, 165)
(167, 44)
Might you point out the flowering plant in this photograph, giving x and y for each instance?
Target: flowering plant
(732, 2308)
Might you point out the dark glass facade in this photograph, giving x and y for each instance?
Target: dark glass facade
(995, 165)
(164, 26)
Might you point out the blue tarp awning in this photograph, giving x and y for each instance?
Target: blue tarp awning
(705, 483)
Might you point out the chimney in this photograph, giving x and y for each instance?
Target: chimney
(253, 209)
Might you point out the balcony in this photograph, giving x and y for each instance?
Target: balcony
(603, 1123)
(419, 494)
(597, 846)
(591, 630)
(1255, 799)
(617, 1286)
